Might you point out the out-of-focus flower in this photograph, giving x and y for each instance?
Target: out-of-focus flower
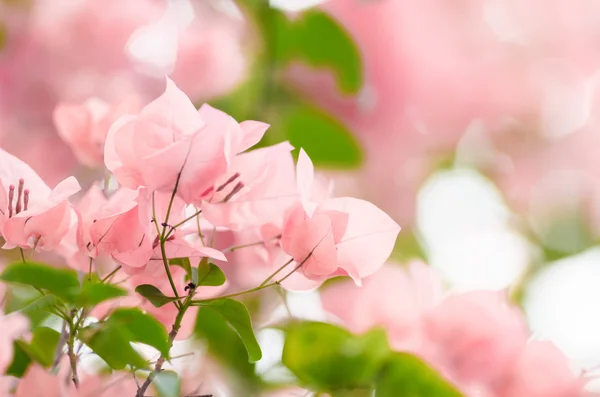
(84, 126)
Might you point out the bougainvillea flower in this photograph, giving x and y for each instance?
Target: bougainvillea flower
(266, 177)
(171, 140)
(344, 236)
(84, 126)
(32, 214)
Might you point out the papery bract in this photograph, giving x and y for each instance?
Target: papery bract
(344, 236)
(170, 142)
(84, 126)
(267, 175)
(31, 214)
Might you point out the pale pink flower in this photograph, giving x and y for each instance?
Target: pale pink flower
(84, 126)
(410, 293)
(170, 137)
(259, 191)
(32, 214)
(343, 236)
(542, 370)
(479, 335)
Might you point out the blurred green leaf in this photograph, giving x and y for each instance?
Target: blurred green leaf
(237, 317)
(140, 327)
(329, 358)
(113, 346)
(408, 376)
(19, 363)
(18, 298)
(321, 41)
(42, 347)
(183, 263)
(224, 344)
(167, 384)
(60, 282)
(93, 294)
(154, 295)
(326, 140)
(209, 274)
(316, 38)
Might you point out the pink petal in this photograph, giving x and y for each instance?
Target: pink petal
(253, 131)
(370, 234)
(173, 111)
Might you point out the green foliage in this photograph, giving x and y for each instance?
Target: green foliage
(140, 327)
(316, 39)
(408, 376)
(113, 346)
(235, 314)
(19, 363)
(208, 274)
(328, 358)
(111, 339)
(327, 141)
(167, 384)
(183, 263)
(42, 347)
(94, 294)
(154, 295)
(62, 283)
(224, 344)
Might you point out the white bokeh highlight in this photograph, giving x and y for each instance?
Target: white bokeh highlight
(562, 306)
(465, 227)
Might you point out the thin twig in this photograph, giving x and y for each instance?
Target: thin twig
(61, 345)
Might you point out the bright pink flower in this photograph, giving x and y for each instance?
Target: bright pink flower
(343, 236)
(542, 370)
(478, 334)
(169, 137)
(31, 214)
(259, 191)
(84, 126)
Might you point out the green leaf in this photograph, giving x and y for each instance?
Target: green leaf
(183, 263)
(113, 346)
(408, 376)
(327, 141)
(19, 363)
(224, 344)
(42, 346)
(317, 39)
(167, 384)
(237, 317)
(28, 301)
(321, 41)
(209, 275)
(93, 294)
(140, 327)
(60, 282)
(154, 295)
(326, 357)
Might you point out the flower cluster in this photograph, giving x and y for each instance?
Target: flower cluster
(184, 184)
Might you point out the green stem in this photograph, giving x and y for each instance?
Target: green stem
(172, 335)
(276, 272)
(109, 275)
(90, 270)
(233, 295)
(189, 218)
(237, 247)
(71, 352)
(22, 255)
